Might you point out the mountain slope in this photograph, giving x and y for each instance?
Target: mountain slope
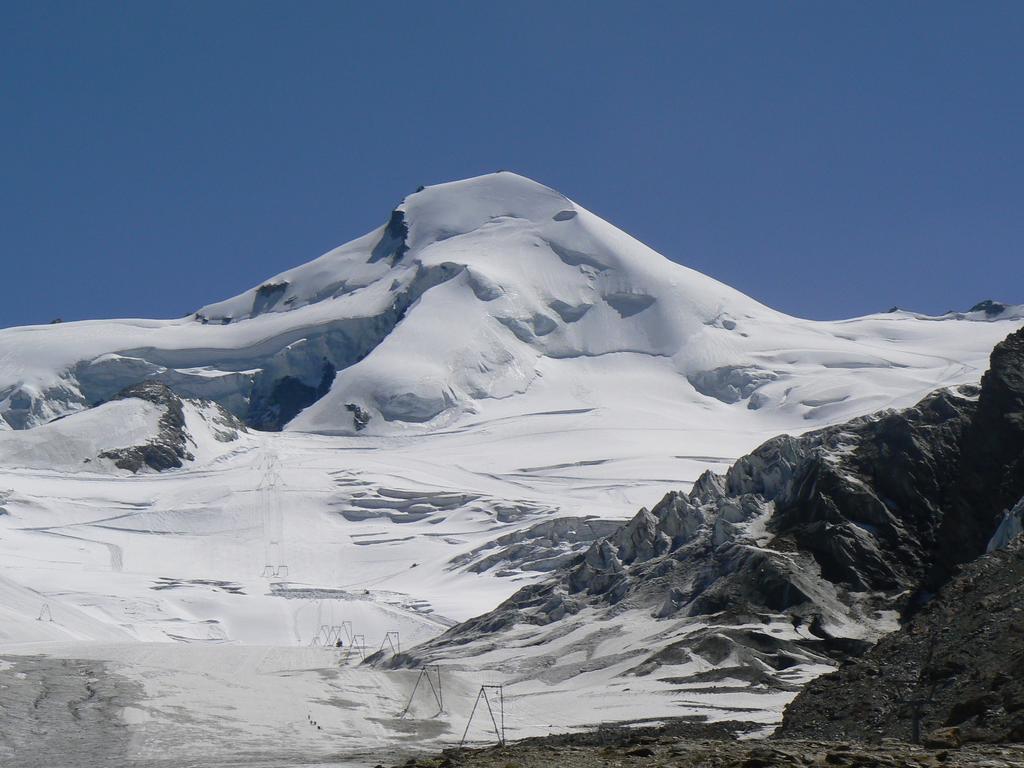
(471, 294)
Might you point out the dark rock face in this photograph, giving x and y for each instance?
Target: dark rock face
(990, 307)
(869, 504)
(991, 476)
(959, 663)
(393, 243)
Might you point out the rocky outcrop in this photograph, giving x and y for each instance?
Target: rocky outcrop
(991, 474)
(797, 527)
(541, 547)
(394, 243)
(835, 532)
(956, 669)
(870, 502)
(958, 664)
(990, 307)
(360, 418)
(170, 448)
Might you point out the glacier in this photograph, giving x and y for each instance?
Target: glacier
(405, 431)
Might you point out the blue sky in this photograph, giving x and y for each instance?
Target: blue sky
(829, 159)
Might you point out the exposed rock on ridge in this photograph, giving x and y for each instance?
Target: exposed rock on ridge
(959, 664)
(170, 447)
(831, 531)
(991, 476)
(541, 547)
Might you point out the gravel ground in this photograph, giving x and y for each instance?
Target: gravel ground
(645, 750)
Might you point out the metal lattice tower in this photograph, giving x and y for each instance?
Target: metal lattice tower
(268, 507)
(356, 646)
(393, 639)
(493, 697)
(429, 673)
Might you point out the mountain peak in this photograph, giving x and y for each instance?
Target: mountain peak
(499, 193)
(454, 208)
(471, 293)
(428, 216)
(499, 185)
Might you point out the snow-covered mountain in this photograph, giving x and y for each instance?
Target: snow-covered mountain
(478, 291)
(468, 397)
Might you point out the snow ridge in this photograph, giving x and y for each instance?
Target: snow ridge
(461, 299)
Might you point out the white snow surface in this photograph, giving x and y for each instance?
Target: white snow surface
(498, 281)
(546, 364)
(77, 442)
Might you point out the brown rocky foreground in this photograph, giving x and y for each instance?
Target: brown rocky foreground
(665, 751)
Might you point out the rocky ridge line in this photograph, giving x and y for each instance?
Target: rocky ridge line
(835, 531)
